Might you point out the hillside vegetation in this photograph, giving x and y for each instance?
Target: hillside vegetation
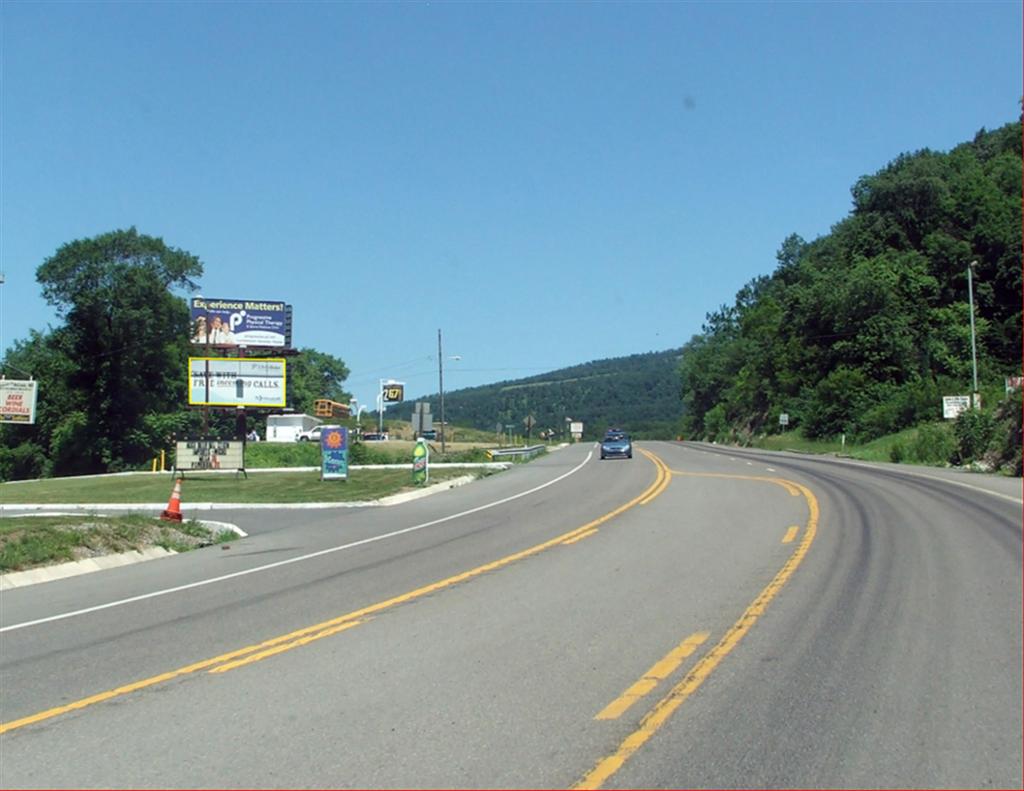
(861, 332)
(639, 393)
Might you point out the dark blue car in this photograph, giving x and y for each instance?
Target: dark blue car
(616, 444)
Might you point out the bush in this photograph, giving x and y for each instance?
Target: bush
(934, 443)
(22, 462)
(974, 430)
(1004, 450)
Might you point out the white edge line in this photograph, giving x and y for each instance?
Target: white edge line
(872, 465)
(289, 561)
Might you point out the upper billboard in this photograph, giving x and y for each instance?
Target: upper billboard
(241, 322)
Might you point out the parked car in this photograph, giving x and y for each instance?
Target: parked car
(311, 435)
(616, 445)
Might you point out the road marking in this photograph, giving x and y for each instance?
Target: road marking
(667, 706)
(289, 561)
(661, 482)
(280, 649)
(581, 536)
(659, 671)
(339, 623)
(790, 534)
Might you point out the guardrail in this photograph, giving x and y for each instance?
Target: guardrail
(532, 450)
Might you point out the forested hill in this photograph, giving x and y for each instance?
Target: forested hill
(864, 330)
(639, 393)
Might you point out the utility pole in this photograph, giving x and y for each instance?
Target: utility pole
(440, 383)
(974, 352)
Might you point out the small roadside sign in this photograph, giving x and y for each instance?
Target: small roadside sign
(952, 406)
(334, 453)
(784, 419)
(18, 400)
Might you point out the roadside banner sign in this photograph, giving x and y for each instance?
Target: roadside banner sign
(954, 405)
(233, 381)
(18, 400)
(420, 462)
(333, 453)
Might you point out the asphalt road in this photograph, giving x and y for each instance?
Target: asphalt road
(695, 617)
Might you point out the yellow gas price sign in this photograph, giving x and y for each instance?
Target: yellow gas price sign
(393, 393)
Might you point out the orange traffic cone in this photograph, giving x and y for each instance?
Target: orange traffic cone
(172, 513)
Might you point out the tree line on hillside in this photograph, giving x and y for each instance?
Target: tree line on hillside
(863, 331)
(113, 374)
(639, 393)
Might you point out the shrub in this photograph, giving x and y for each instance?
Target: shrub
(934, 443)
(974, 430)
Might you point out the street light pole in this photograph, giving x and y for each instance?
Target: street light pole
(974, 352)
(440, 383)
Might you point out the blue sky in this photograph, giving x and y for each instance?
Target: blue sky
(547, 183)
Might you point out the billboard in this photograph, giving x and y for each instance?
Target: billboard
(18, 400)
(241, 322)
(227, 381)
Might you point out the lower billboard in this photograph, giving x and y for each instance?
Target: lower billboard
(225, 381)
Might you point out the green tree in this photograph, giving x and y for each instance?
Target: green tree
(127, 335)
(313, 375)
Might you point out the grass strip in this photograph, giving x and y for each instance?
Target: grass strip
(30, 541)
(267, 487)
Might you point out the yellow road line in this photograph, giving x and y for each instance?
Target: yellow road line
(659, 671)
(790, 534)
(581, 536)
(661, 482)
(341, 620)
(667, 706)
(280, 649)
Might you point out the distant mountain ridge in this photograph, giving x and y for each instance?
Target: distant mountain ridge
(639, 393)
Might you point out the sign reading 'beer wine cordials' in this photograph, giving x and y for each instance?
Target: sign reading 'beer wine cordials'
(18, 400)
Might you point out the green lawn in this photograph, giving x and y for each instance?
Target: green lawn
(264, 487)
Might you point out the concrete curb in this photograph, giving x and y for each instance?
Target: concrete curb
(20, 579)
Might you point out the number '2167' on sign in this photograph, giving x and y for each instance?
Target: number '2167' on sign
(393, 392)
